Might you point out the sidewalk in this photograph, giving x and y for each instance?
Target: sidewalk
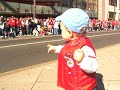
(22, 37)
(44, 76)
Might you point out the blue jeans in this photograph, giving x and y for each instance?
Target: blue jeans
(95, 88)
(13, 31)
(55, 31)
(1, 32)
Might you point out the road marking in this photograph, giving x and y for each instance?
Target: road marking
(30, 43)
(103, 35)
(52, 41)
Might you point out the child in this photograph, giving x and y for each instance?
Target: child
(35, 32)
(42, 31)
(77, 62)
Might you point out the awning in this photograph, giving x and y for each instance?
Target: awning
(38, 2)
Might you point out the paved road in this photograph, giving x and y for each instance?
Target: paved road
(21, 53)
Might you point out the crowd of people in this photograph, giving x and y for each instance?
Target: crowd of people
(104, 25)
(10, 27)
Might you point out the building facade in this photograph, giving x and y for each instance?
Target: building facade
(98, 9)
(109, 9)
(90, 6)
(101, 9)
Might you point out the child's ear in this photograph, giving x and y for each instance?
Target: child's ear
(70, 33)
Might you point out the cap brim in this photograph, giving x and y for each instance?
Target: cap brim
(58, 18)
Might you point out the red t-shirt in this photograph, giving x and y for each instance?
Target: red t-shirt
(12, 22)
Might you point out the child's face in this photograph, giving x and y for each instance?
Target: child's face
(66, 33)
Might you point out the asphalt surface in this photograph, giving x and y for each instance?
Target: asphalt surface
(28, 51)
(43, 76)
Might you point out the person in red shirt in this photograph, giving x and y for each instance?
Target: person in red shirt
(12, 22)
(77, 62)
(115, 25)
(50, 25)
(18, 22)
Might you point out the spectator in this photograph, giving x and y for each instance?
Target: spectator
(35, 32)
(56, 27)
(42, 31)
(18, 22)
(77, 62)
(12, 26)
(1, 26)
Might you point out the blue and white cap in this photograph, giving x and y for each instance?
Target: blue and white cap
(74, 19)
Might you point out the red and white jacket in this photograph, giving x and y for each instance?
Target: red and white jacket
(71, 75)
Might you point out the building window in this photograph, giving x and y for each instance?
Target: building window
(113, 2)
(111, 15)
(92, 5)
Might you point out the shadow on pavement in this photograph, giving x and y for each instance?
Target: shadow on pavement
(100, 85)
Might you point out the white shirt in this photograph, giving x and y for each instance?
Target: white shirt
(56, 25)
(26, 22)
(89, 63)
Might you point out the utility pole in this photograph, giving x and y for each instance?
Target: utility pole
(115, 4)
(61, 3)
(68, 1)
(76, 2)
(34, 12)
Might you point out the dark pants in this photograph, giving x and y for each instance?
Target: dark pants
(95, 88)
(13, 31)
(1, 32)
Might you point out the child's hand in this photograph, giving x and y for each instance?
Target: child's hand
(78, 55)
(51, 48)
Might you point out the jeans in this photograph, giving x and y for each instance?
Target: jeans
(13, 31)
(95, 88)
(55, 31)
(1, 32)
(27, 29)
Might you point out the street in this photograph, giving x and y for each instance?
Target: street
(21, 53)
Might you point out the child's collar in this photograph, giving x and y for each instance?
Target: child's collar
(77, 40)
